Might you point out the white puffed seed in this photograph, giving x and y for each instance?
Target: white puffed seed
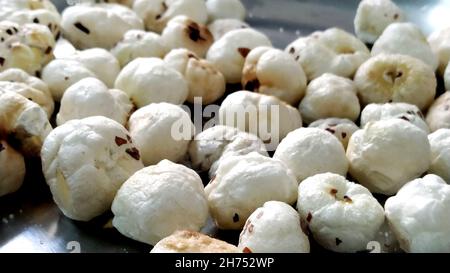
(274, 228)
(229, 52)
(23, 121)
(396, 78)
(333, 50)
(9, 7)
(205, 81)
(265, 116)
(60, 74)
(85, 162)
(12, 169)
(273, 72)
(159, 200)
(440, 153)
(183, 32)
(406, 39)
(91, 97)
(139, 44)
(387, 154)
(438, 116)
(244, 183)
(43, 17)
(185, 241)
(310, 151)
(151, 80)
(439, 41)
(409, 112)
(157, 13)
(418, 215)
(343, 129)
(161, 131)
(101, 62)
(210, 147)
(342, 216)
(373, 16)
(330, 96)
(32, 88)
(28, 47)
(98, 25)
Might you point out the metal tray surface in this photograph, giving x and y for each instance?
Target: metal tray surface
(31, 222)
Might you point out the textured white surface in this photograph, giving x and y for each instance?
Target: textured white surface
(159, 200)
(418, 215)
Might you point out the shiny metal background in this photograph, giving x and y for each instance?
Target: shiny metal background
(29, 220)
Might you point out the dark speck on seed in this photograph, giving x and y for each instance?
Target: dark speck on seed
(48, 50)
(309, 217)
(333, 191)
(338, 241)
(396, 16)
(2, 61)
(129, 139)
(157, 17)
(38, 74)
(244, 51)
(1, 147)
(347, 199)
(9, 31)
(297, 58)
(82, 28)
(36, 20)
(404, 118)
(120, 141)
(344, 135)
(292, 50)
(236, 218)
(331, 130)
(66, 78)
(134, 153)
